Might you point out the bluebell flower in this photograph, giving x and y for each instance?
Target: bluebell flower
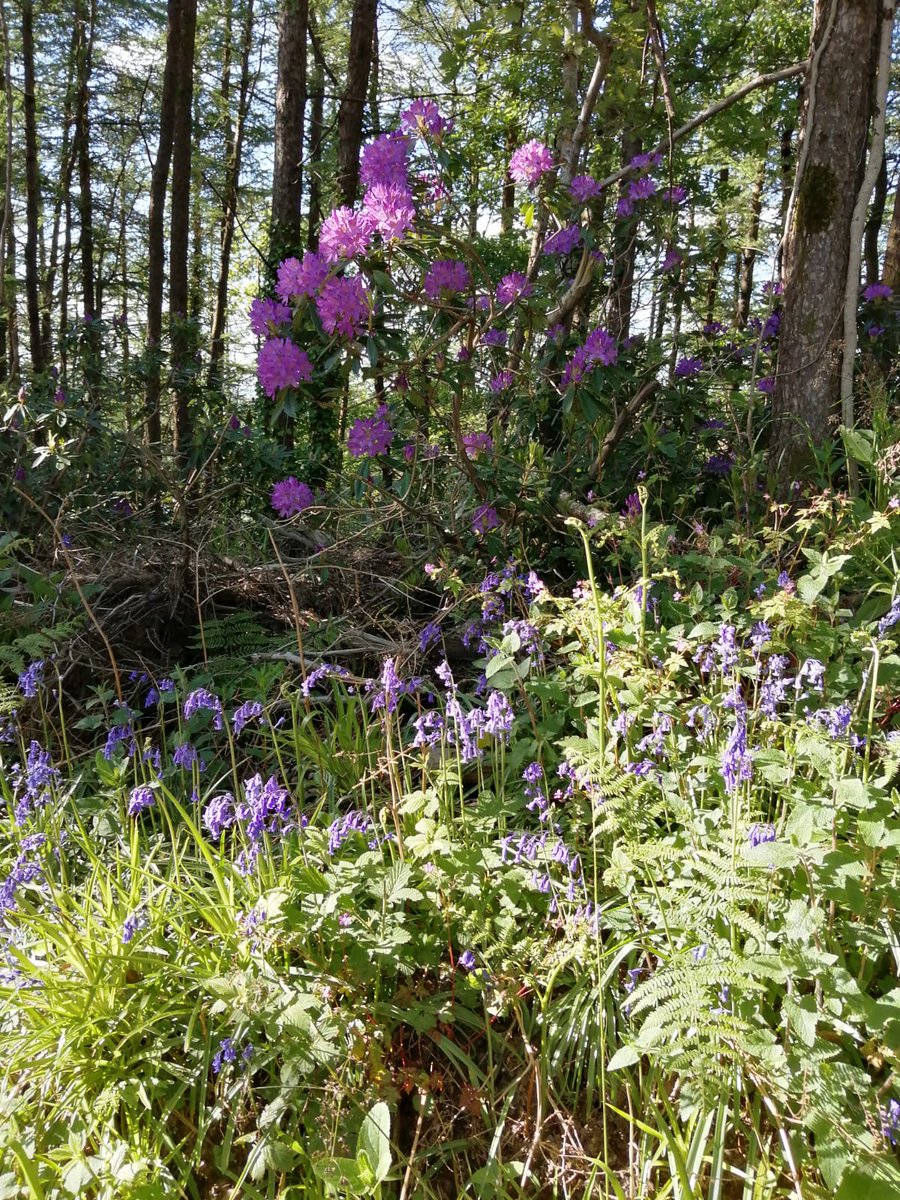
(325, 671)
(225, 1054)
(266, 807)
(760, 635)
(466, 960)
(429, 635)
(890, 1122)
(139, 799)
(429, 727)
(31, 679)
(737, 760)
(199, 700)
(25, 869)
(757, 834)
(219, 814)
(342, 828)
(499, 716)
(185, 756)
(133, 922)
(33, 783)
(888, 621)
(115, 736)
(247, 712)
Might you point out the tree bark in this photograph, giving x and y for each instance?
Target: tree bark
(873, 224)
(85, 21)
(350, 113)
(290, 116)
(233, 153)
(180, 330)
(316, 132)
(156, 252)
(749, 252)
(835, 121)
(37, 347)
(890, 273)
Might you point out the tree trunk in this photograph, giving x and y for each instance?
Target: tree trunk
(891, 271)
(39, 357)
(316, 133)
(624, 251)
(290, 115)
(233, 155)
(786, 171)
(830, 167)
(721, 250)
(873, 224)
(156, 251)
(85, 20)
(748, 254)
(350, 113)
(180, 329)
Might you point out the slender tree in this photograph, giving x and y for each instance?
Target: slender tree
(234, 145)
(290, 116)
(180, 329)
(839, 87)
(363, 28)
(37, 347)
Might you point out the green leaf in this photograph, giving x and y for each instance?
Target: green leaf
(625, 1056)
(375, 1140)
(802, 1016)
(859, 444)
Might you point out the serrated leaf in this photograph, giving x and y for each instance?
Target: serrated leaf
(625, 1056)
(802, 1016)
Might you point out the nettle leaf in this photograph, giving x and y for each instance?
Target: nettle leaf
(393, 887)
(802, 1017)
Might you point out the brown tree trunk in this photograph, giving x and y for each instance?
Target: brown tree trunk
(624, 251)
(183, 341)
(749, 252)
(233, 155)
(353, 101)
(830, 167)
(890, 273)
(39, 357)
(873, 224)
(85, 20)
(721, 250)
(316, 135)
(290, 115)
(156, 251)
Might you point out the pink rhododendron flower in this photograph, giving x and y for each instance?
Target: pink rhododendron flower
(282, 364)
(290, 496)
(530, 162)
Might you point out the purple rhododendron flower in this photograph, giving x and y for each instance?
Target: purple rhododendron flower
(296, 279)
(423, 116)
(282, 364)
(477, 443)
(343, 306)
(445, 277)
(599, 347)
(383, 162)
(584, 188)
(674, 195)
(494, 337)
(642, 189)
(687, 368)
(266, 313)
(371, 436)
(530, 162)
(672, 259)
(718, 464)
(513, 287)
(484, 518)
(290, 497)
(501, 381)
(766, 385)
(878, 291)
(390, 207)
(344, 234)
(563, 241)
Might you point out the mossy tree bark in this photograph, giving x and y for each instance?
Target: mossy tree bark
(830, 166)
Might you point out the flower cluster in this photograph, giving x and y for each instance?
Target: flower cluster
(371, 436)
(530, 162)
(599, 347)
(290, 497)
(282, 364)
